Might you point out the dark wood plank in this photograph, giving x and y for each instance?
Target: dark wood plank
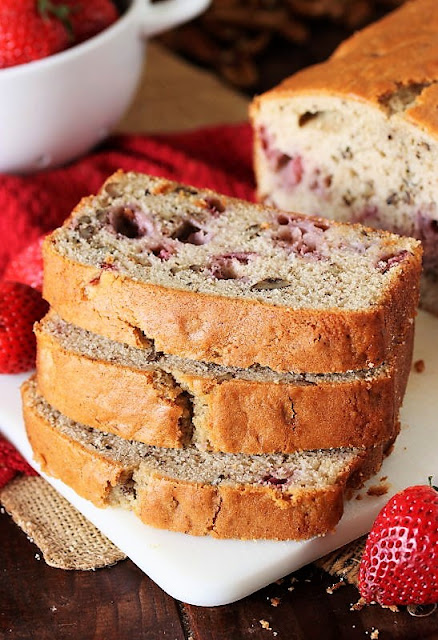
(306, 613)
(38, 602)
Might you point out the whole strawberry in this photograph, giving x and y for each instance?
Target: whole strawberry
(27, 266)
(31, 29)
(400, 561)
(20, 307)
(89, 17)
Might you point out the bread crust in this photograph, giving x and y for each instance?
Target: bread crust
(132, 404)
(243, 511)
(91, 475)
(230, 331)
(232, 415)
(397, 51)
(248, 511)
(252, 417)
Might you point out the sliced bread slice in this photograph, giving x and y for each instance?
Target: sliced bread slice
(281, 496)
(168, 401)
(219, 280)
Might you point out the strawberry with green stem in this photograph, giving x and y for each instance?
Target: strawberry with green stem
(89, 17)
(32, 29)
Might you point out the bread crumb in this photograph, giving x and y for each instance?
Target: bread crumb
(279, 581)
(419, 366)
(290, 588)
(53, 609)
(359, 605)
(374, 634)
(275, 602)
(389, 450)
(335, 587)
(293, 579)
(378, 490)
(265, 625)
(37, 556)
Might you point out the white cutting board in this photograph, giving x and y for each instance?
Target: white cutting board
(208, 572)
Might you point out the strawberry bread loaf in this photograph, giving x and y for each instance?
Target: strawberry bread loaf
(218, 367)
(356, 138)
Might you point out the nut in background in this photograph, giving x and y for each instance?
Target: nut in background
(244, 41)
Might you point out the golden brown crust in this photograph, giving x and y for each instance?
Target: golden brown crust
(400, 50)
(245, 511)
(237, 415)
(252, 417)
(222, 329)
(106, 396)
(91, 475)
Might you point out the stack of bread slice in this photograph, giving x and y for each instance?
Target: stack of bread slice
(220, 368)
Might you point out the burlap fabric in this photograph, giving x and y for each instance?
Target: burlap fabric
(344, 562)
(68, 541)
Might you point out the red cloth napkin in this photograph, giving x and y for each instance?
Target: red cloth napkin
(216, 157)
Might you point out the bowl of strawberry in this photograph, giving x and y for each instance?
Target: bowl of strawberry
(69, 70)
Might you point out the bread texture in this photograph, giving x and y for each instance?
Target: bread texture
(209, 278)
(282, 496)
(167, 401)
(356, 137)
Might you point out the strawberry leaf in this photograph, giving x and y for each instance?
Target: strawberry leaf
(47, 9)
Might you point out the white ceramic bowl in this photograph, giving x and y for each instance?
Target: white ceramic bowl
(55, 109)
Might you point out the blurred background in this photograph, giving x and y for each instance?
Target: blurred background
(253, 44)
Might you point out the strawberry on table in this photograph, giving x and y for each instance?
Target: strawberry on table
(89, 17)
(400, 561)
(20, 307)
(32, 29)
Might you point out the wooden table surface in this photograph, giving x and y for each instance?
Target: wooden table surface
(38, 602)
